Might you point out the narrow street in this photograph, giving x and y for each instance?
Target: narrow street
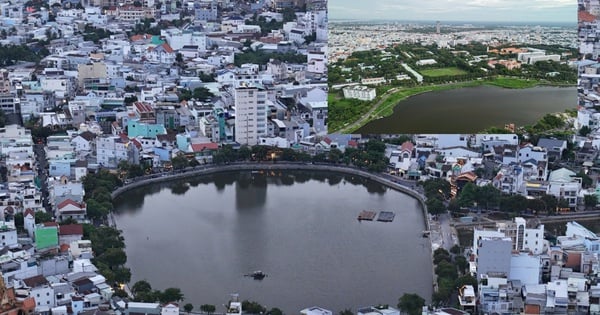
(42, 173)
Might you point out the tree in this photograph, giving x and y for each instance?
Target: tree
(456, 250)
(550, 203)
(466, 280)
(586, 181)
(179, 162)
(435, 206)
(141, 286)
(252, 307)
(590, 201)
(435, 187)
(441, 254)
(446, 270)
(19, 221)
(43, 216)
(188, 307)
(584, 131)
(244, 153)
(207, 308)
(113, 257)
(275, 311)
(461, 263)
(122, 274)
(171, 295)
(411, 303)
(334, 155)
(202, 93)
(346, 312)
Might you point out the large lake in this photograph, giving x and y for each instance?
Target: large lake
(473, 109)
(300, 228)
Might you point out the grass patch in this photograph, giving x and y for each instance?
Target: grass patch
(440, 72)
(513, 83)
(344, 111)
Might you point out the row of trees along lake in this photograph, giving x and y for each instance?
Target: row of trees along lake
(453, 69)
(369, 156)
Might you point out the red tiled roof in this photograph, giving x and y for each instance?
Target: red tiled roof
(167, 48)
(35, 281)
(29, 304)
(584, 16)
(70, 202)
(327, 140)
(353, 144)
(470, 176)
(143, 107)
(70, 229)
(136, 143)
(140, 37)
(64, 248)
(29, 211)
(407, 146)
(199, 147)
(50, 224)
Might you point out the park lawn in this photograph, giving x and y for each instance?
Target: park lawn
(513, 83)
(439, 72)
(344, 111)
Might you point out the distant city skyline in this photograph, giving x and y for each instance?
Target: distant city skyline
(562, 11)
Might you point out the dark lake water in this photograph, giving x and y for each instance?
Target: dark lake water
(300, 228)
(473, 109)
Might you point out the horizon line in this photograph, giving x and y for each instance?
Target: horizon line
(447, 21)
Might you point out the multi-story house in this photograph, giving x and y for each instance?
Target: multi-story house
(250, 114)
(563, 184)
(110, 150)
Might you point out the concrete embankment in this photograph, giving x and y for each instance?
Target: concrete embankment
(207, 170)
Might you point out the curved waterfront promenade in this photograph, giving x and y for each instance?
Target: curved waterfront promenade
(207, 170)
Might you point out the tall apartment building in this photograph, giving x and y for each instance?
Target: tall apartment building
(250, 113)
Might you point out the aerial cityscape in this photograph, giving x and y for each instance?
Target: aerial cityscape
(218, 157)
(415, 77)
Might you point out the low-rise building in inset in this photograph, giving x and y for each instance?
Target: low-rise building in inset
(360, 92)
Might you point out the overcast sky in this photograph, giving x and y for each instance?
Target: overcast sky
(456, 10)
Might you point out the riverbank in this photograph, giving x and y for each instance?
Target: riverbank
(386, 104)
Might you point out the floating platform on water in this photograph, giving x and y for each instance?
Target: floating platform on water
(366, 215)
(386, 216)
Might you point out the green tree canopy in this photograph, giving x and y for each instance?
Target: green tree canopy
(207, 308)
(171, 295)
(141, 286)
(411, 303)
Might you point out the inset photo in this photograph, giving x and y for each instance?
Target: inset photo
(399, 66)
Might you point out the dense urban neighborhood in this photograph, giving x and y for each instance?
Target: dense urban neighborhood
(99, 96)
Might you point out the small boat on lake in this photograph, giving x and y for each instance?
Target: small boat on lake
(257, 275)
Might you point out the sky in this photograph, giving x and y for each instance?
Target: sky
(563, 11)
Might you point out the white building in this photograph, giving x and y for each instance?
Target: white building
(250, 113)
(424, 62)
(315, 310)
(178, 38)
(360, 92)
(562, 184)
(111, 150)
